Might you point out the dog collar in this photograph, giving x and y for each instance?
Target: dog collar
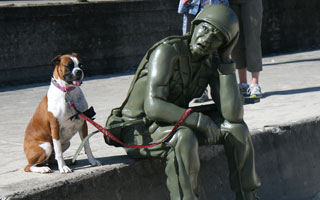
(63, 89)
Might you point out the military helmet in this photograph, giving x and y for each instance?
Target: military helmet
(220, 16)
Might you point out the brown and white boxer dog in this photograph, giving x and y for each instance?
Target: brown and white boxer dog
(53, 124)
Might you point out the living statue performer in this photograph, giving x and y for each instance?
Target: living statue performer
(172, 73)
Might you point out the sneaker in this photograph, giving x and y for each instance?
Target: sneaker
(243, 87)
(255, 91)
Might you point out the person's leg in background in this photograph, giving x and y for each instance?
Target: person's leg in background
(247, 53)
(252, 23)
(238, 53)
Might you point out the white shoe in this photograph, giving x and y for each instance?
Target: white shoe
(255, 91)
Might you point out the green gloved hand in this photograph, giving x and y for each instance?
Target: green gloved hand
(208, 128)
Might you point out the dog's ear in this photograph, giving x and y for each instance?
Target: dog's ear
(74, 55)
(56, 61)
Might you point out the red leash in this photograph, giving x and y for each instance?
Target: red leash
(183, 117)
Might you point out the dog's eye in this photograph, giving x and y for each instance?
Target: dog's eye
(70, 65)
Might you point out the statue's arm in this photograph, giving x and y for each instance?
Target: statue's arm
(226, 94)
(160, 72)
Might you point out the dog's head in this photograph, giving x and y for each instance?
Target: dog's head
(68, 69)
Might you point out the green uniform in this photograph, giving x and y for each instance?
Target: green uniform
(166, 81)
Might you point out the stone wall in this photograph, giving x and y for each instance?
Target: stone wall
(290, 25)
(112, 37)
(109, 37)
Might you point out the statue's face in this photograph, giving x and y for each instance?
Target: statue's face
(205, 39)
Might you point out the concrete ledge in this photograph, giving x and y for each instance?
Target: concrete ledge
(287, 160)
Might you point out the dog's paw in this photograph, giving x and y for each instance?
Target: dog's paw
(65, 169)
(45, 170)
(95, 162)
(41, 170)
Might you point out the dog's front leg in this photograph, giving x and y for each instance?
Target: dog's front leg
(83, 133)
(63, 168)
(54, 126)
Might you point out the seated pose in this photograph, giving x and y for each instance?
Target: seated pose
(172, 73)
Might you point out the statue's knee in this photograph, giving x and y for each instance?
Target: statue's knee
(238, 131)
(186, 138)
(237, 128)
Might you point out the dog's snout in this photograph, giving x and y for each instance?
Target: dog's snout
(78, 73)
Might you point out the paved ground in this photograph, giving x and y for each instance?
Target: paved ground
(290, 83)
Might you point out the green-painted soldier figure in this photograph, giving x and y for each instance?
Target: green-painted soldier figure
(172, 73)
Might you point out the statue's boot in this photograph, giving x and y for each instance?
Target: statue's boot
(240, 153)
(183, 166)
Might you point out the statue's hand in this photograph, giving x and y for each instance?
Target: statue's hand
(226, 50)
(208, 128)
(226, 127)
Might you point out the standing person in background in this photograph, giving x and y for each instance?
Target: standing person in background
(190, 8)
(247, 53)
